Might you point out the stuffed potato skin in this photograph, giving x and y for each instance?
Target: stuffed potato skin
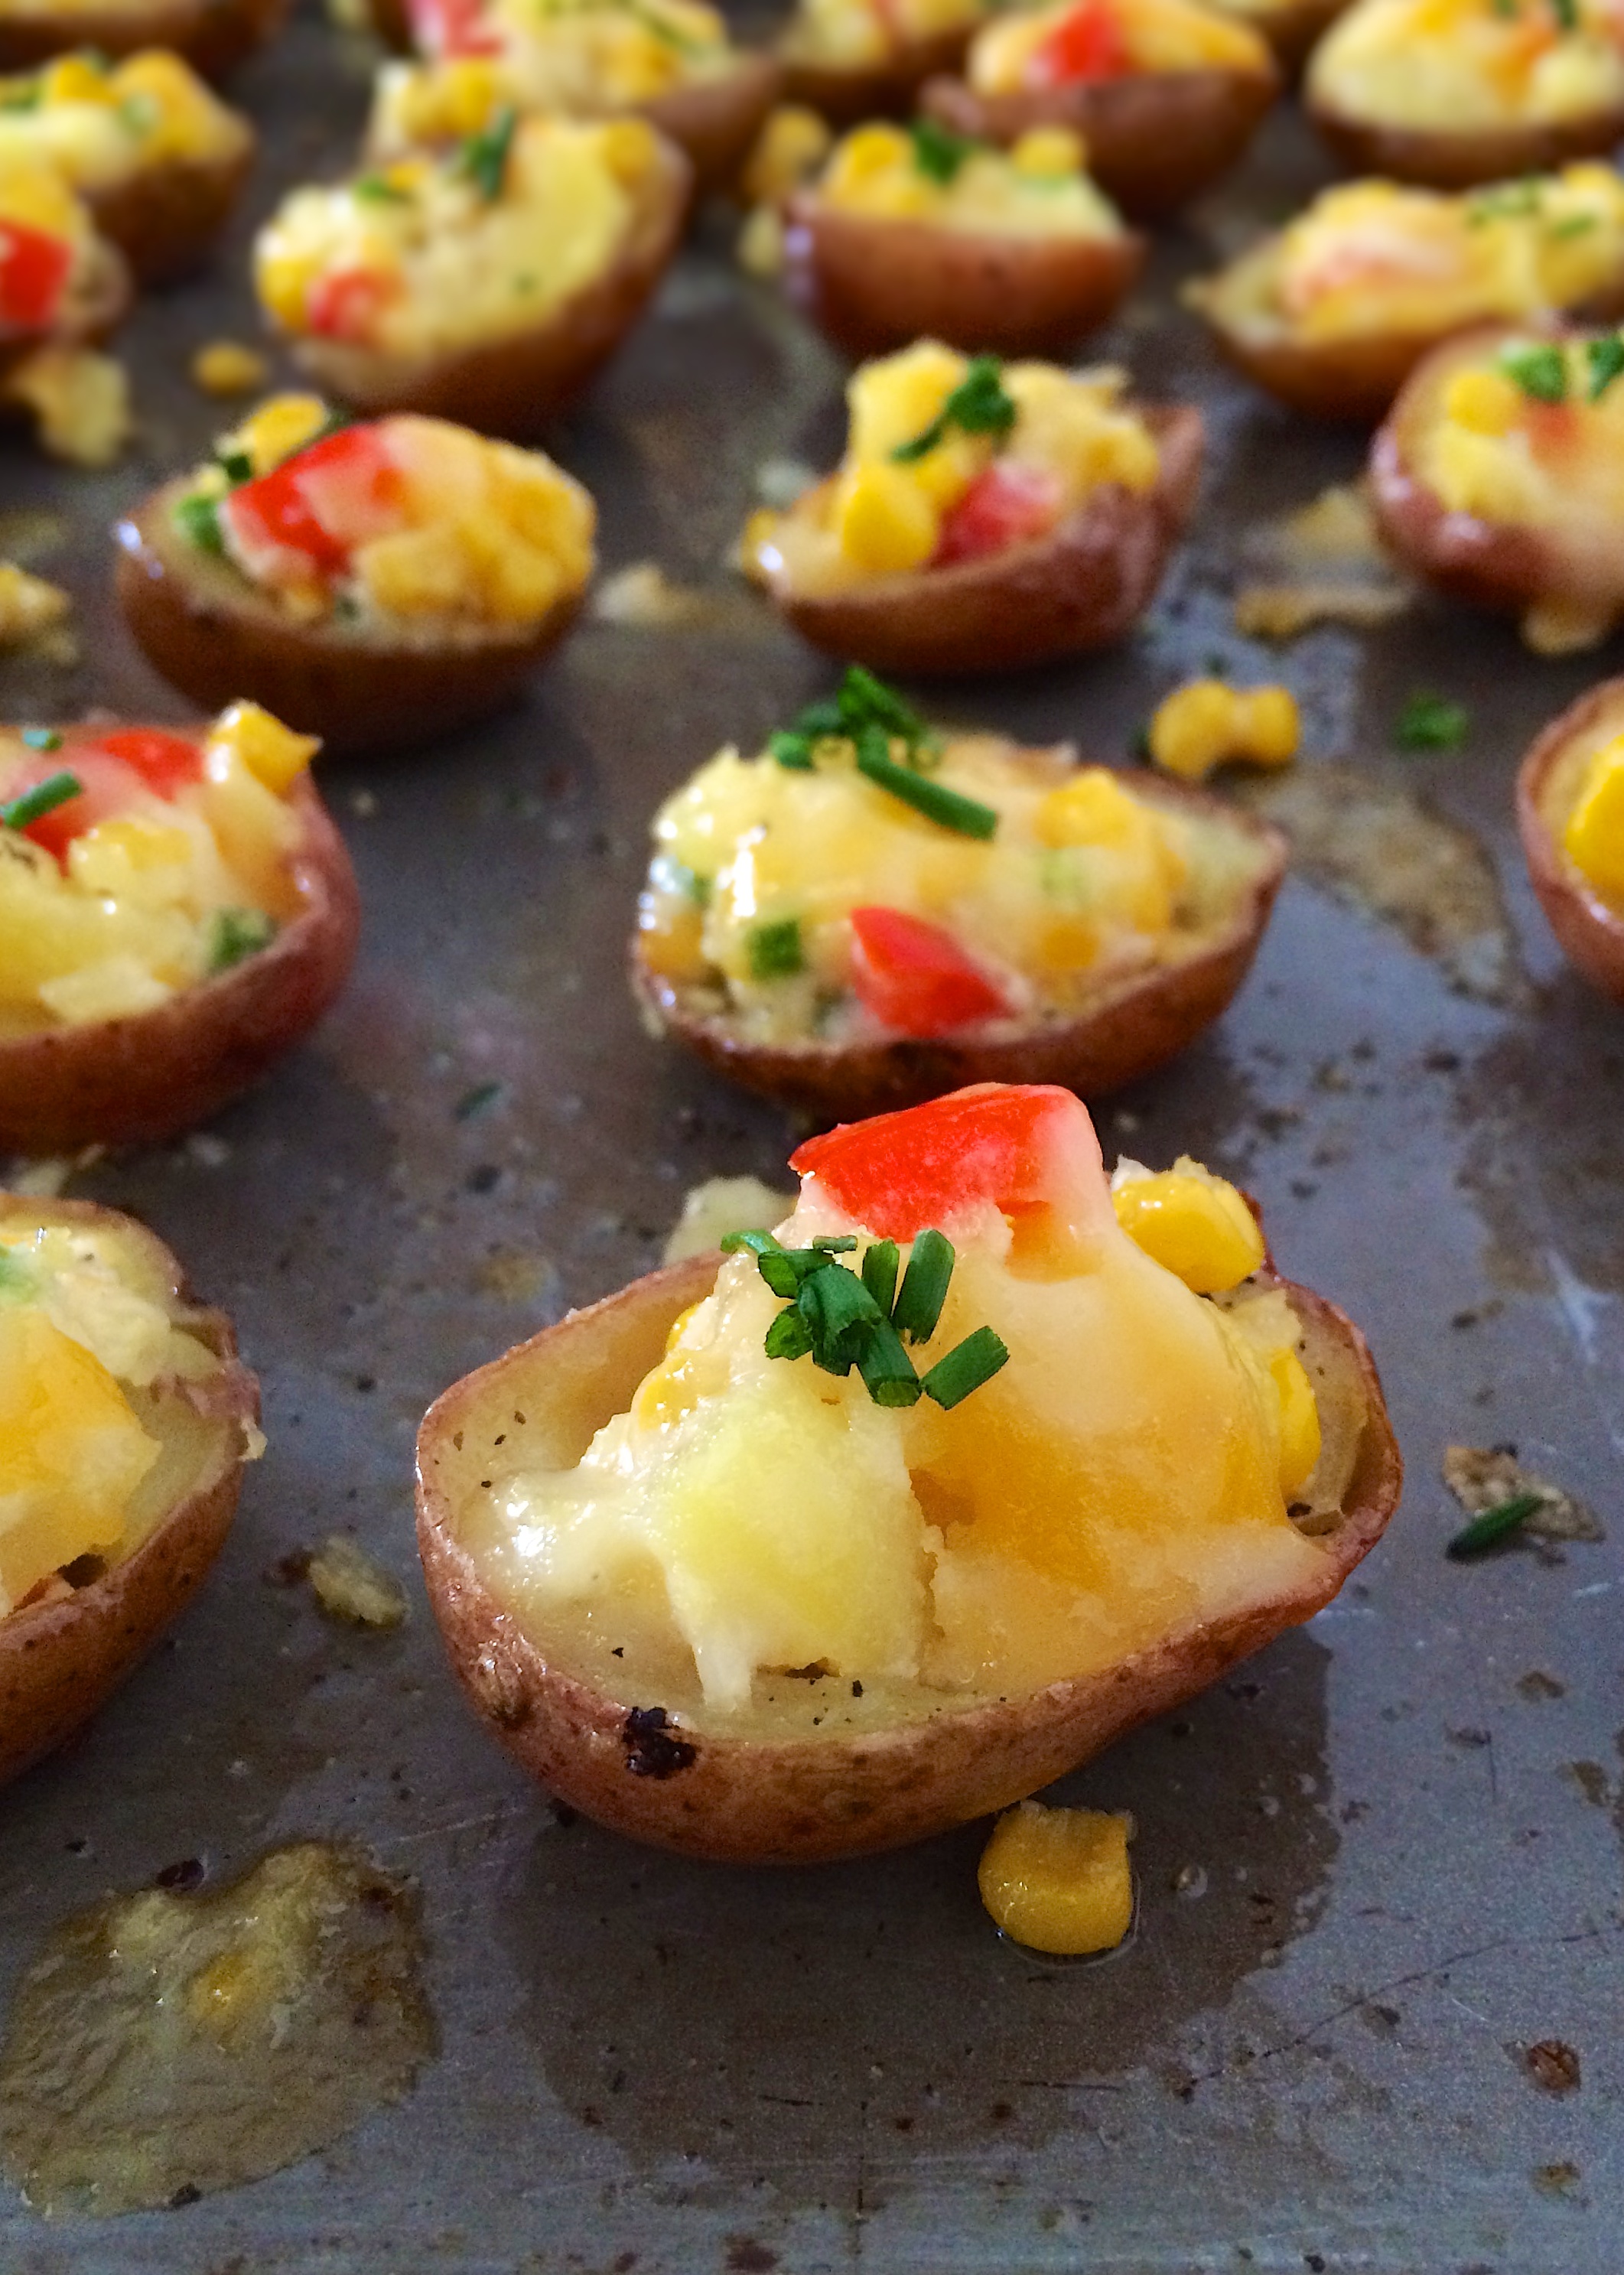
(1081, 586)
(214, 35)
(216, 637)
(847, 95)
(715, 122)
(873, 283)
(806, 1801)
(144, 1078)
(1155, 140)
(1438, 160)
(1138, 1024)
(1588, 929)
(59, 1662)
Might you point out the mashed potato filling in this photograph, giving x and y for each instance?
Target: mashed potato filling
(1037, 189)
(86, 1333)
(100, 122)
(1530, 431)
(951, 459)
(847, 35)
(1125, 1472)
(430, 255)
(1460, 65)
(136, 863)
(1080, 40)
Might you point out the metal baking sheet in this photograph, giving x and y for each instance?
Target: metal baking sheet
(1375, 1865)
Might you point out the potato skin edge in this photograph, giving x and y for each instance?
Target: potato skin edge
(1436, 159)
(1590, 934)
(885, 90)
(60, 1663)
(744, 1802)
(213, 35)
(165, 218)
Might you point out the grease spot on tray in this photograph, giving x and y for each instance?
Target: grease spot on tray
(164, 2045)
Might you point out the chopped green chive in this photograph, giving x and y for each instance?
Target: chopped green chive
(789, 1336)
(880, 1274)
(1575, 225)
(966, 1367)
(775, 951)
(1431, 723)
(1540, 372)
(236, 466)
(871, 716)
(15, 1277)
(1493, 1525)
(1566, 14)
(759, 1243)
(237, 933)
(966, 815)
(484, 159)
(197, 519)
(1510, 201)
(937, 153)
(978, 406)
(41, 739)
(889, 1375)
(1606, 359)
(791, 750)
(33, 805)
(378, 190)
(834, 1244)
(925, 1287)
(476, 1100)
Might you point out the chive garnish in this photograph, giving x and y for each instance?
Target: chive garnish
(1540, 372)
(197, 519)
(774, 949)
(966, 815)
(872, 716)
(236, 933)
(41, 739)
(1566, 14)
(1575, 225)
(842, 1318)
(378, 190)
(1431, 723)
(1509, 200)
(15, 1277)
(1493, 1525)
(475, 1101)
(978, 406)
(236, 466)
(33, 805)
(791, 750)
(937, 153)
(1606, 359)
(484, 158)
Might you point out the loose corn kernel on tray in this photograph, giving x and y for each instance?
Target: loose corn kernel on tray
(1374, 1866)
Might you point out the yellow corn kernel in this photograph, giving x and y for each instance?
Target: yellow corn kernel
(421, 572)
(898, 396)
(185, 117)
(1092, 809)
(628, 147)
(1593, 839)
(791, 147)
(277, 429)
(759, 248)
(1206, 723)
(227, 367)
(458, 97)
(75, 79)
(867, 153)
(1046, 151)
(1483, 401)
(146, 864)
(1299, 1421)
(759, 531)
(283, 280)
(36, 194)
(1059, 1880)
(273, 753)
(27, 604)
(664, 1397)
(80, 401)
(884, 520)
(1194, 1224)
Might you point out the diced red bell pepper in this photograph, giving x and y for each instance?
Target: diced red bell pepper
(1025, 1147)
(33, 273)
(453, 27)
(914, 976)
(1087, 43)
(165, 762)
(345, 303)
(315, 507)
(1005, 505)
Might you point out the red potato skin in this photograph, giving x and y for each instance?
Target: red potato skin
(133, 1081)
(60, 1662)
(512, 387)
(873, 284)
(1155, 140)
(1438, 160)
(214, 35)
(743, 1802)
(715, 122)
(1083, 587)
(1590, 932)
(165, 218)
(888, 90)
(1293, 31)
(1136, 1026)
(217, 640)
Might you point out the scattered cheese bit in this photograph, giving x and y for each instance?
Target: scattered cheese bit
(1280, 612)
(1564, 627)
(80, 401)
(759, 248)
(28, 605)
(1482, 1477)
(228, 367)
(354, 1586)
(1206, 725)
(1328, 567)
(1195, 1225)
(1059, 1880)
(642, 593)
(722, 1206)
(790, 148)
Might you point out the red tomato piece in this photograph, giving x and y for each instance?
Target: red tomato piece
(344, 304)
(313, 510)
(33, 272)
(452, 27)
(1023, 1146)
(914, 976)
(109, 786)
(165, 762)
(1087, 43)
(1004, 506)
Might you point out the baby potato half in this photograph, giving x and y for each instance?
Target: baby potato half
(1569, 803)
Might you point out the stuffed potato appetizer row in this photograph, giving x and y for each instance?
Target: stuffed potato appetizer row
(1570, 811)
(213, 35)
(671, 62)
(175, 911)
(1334, 312)
(158, 159)
(1498, 477)
(1292, 27)
(1454, 92)
(856, 59)
(915, 232)
(869, 913)
(1165, 93)
(61, 283)
(486, 285)
(985, 515)
(370, 583)
(124, 1422)
(891, 1515)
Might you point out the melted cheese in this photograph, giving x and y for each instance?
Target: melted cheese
(1157, 35)
(1039, 189)
(1459, 64)
(100, 124)
(847, 35)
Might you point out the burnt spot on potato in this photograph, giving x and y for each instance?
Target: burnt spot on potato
(652, 1750)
